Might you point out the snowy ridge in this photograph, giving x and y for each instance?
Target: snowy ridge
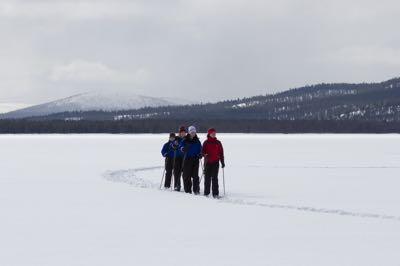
(9, 107)
(96, 101)
(131, 177)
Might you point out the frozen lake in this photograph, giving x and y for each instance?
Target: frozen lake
(291, 200)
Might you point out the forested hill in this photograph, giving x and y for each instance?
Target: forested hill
(323, 108)
(332, 102)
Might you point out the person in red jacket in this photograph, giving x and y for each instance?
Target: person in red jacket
(213, 153)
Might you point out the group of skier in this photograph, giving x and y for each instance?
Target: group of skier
(183, 153)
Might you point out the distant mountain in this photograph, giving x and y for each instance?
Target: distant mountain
(327, 102)
(94, 101)
(322, 108)
(8, 107)
(322, 102)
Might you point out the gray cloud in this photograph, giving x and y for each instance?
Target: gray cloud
(195, 49)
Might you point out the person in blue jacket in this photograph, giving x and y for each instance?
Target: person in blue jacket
(178, 158)
(169, 152)
(191, 148)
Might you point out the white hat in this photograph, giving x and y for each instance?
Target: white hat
(192, 129)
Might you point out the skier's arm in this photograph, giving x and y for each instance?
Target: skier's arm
(164, 150)
(204, 149)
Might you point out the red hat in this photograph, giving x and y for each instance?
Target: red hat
(182, 129)
(211, 130)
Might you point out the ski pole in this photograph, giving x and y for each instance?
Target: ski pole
(183, 164)
(162, 178)
(203, 166)
(173, 172)
(202, 171)
(223, 179)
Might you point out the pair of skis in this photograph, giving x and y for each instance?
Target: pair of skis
(183, 164)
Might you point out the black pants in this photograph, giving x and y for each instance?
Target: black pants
(191, 171)
(178, 173)
(169, 165)
(211, 177)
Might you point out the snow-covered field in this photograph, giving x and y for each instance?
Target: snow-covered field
(291, 200)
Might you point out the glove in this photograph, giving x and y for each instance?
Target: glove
(223, 164)
(175, 145)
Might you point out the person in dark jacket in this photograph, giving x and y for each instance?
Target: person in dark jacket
(191, 148)
(178, 158)
(213, 153)
(169, 153)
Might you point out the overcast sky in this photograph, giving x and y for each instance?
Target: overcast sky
(194, 49)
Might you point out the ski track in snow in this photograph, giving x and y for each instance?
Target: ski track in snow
(329, 167)
(131, 177)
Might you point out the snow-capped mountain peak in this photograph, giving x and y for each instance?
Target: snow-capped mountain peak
(96, 101)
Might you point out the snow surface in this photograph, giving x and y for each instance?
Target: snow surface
(291, 200)
(96, 101)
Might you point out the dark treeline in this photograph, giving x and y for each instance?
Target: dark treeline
(163, 126)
